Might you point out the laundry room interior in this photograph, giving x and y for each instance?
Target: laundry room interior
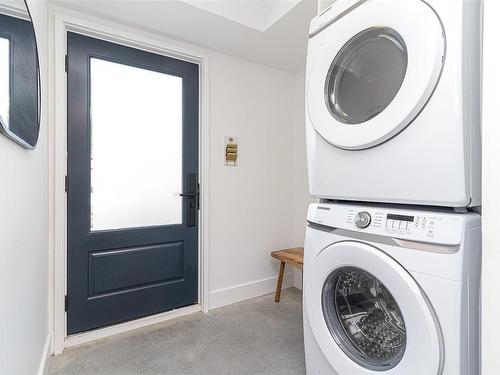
(249, 187)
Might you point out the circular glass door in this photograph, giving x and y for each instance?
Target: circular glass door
(364, 318)
(366, 75)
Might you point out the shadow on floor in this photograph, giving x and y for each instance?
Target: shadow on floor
(257, 336)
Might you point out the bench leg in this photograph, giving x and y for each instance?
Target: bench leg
(280, 282)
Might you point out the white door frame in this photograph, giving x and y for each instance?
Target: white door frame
(63, 21)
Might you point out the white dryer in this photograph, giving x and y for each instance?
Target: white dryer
(393, 102)
(391, 290)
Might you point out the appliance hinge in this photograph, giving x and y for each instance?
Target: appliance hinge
(66, 303)
(66, 63)
(66, 183)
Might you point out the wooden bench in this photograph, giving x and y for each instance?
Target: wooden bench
(293, 257)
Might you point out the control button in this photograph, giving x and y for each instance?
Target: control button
(388, 223)
(362, 219)
(423, 223)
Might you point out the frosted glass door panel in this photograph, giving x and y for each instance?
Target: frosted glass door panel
(4, 80)
(136, 151)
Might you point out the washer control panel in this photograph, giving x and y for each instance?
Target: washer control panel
(395, 223)
(416, 224)
(406, 224)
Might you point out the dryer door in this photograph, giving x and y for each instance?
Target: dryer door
(369, 315)
(376, 69)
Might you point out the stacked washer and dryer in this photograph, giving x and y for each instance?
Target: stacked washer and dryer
(393, 249)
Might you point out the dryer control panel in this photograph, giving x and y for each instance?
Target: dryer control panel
(440, 227)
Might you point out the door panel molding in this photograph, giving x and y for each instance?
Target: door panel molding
(63, 21)
(143, 275)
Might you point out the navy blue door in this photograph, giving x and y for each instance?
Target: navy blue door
(132, 184)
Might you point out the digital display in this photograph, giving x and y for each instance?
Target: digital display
(400, 217)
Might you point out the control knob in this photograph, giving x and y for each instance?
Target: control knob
(362, 219)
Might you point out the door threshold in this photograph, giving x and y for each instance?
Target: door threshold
(100, 333)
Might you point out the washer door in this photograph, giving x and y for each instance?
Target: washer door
(376, 70)
(368, 314)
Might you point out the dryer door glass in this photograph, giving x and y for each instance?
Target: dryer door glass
(363, 318)
(366, 75)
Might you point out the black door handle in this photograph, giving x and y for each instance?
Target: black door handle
(189, 194)
(192, 200)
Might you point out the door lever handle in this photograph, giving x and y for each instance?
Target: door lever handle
(191, 199)
(188, 194)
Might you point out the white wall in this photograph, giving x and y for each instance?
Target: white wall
(252, 209)
(301, 196)
(491, 191)
(24, 239)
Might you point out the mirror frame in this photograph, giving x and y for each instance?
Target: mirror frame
(4, 128)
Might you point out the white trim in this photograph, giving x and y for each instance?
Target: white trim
(44, 367)
(97, 334)
(15, 10)
(243, 292)
(62, 21)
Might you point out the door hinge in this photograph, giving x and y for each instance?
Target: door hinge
(66, 63)
(66, 303)
(66, 183)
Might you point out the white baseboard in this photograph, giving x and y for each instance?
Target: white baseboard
(297, 278)
(44, 367)
(242, 292)
(81, 338)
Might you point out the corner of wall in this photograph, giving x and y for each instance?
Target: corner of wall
(44, 367)
(301, 196)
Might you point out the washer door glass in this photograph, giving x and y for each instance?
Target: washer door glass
(366, 75)
(363, 318)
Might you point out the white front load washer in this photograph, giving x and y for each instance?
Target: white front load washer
(391, 290)
(393, 102)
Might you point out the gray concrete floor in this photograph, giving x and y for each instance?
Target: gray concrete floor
(257, 336)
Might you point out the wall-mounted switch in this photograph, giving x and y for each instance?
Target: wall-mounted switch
(231, 151)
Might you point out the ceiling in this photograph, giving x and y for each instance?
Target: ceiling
(257, 14)
(269, 32)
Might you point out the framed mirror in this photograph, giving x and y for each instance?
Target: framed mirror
(19, 74)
